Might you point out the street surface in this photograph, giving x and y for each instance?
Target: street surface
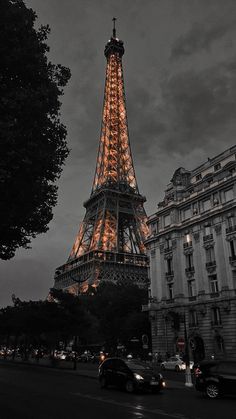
(30, 392)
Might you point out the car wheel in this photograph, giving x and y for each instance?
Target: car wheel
(103, 382)
(212, 390)
(163, 367)
(129, 386)
(177, 368)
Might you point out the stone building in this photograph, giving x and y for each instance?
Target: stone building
(192, 250)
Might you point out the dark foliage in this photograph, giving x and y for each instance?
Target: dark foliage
(32, 139)
(118, 309)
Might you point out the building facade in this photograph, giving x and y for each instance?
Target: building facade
(192, 250)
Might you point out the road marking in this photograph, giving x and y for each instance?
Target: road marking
(138, 408)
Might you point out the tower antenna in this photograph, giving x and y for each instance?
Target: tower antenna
(114, 27)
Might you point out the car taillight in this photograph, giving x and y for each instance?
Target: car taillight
(197, 372)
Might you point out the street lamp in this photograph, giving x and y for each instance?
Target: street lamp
(188, 376)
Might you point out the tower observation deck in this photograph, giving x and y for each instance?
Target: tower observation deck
(109, 245)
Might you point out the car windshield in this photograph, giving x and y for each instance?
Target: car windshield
(135, 365)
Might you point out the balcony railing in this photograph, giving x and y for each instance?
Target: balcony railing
(167, 249)
(189, 269)
(208, 237)
(232, 258)
(170, 273)
(230, 229)
(211, 264)
(187, 244)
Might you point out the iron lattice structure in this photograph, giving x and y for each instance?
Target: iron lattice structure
(109, 245)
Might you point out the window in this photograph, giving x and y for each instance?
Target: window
(232, 248)
(210, 255)
(198, 177)
(187, 240)
(186, 213)
(189, 261)
(168, 243)
(217, 167)
(231, 221)
(193, 321)
(153, 228)
(220, 346)
(169, 266)
(207, 230)
(229, 195)
(206, 205)
(191, 289)
(216, 199)
(213, 284)
(195, 208)
(234, 280)
(170, 289)
(167, 220)
(216, 318)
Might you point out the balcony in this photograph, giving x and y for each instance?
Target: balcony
(230, 229)
(167, 249)
(208, 238)
(189, 269)
(211, 266)
(169, 275)
(187, 244)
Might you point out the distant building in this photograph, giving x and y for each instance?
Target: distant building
(192, 250)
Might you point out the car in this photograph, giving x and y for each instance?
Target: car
(61, 355)
(175, 363)
(215, 377)
(131, 375)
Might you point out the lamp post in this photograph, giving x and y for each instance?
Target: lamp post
(188, 376)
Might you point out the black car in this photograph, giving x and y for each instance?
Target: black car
(215, 378)
(131, 375)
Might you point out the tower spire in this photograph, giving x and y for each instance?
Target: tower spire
(114, 27)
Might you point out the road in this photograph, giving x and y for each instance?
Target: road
(28, 392)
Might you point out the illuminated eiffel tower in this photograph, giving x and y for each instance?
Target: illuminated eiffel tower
(109, 245)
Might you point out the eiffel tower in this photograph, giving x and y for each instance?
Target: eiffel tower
(109, 245)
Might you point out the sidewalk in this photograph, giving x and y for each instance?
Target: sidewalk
(82, 370)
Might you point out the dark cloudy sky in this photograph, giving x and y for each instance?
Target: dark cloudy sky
(180, 82)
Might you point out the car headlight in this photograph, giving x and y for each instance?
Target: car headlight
(138, 377)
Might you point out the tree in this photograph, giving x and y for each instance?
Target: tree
(118, 308)
(32, 138)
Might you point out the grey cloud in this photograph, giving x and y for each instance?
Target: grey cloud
(200, 108)
(144, 122)
(200, 37)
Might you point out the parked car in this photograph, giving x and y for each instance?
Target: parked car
(61, 355)
(215, 378)
(85, 357)
(175, 363)
(131, 375)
